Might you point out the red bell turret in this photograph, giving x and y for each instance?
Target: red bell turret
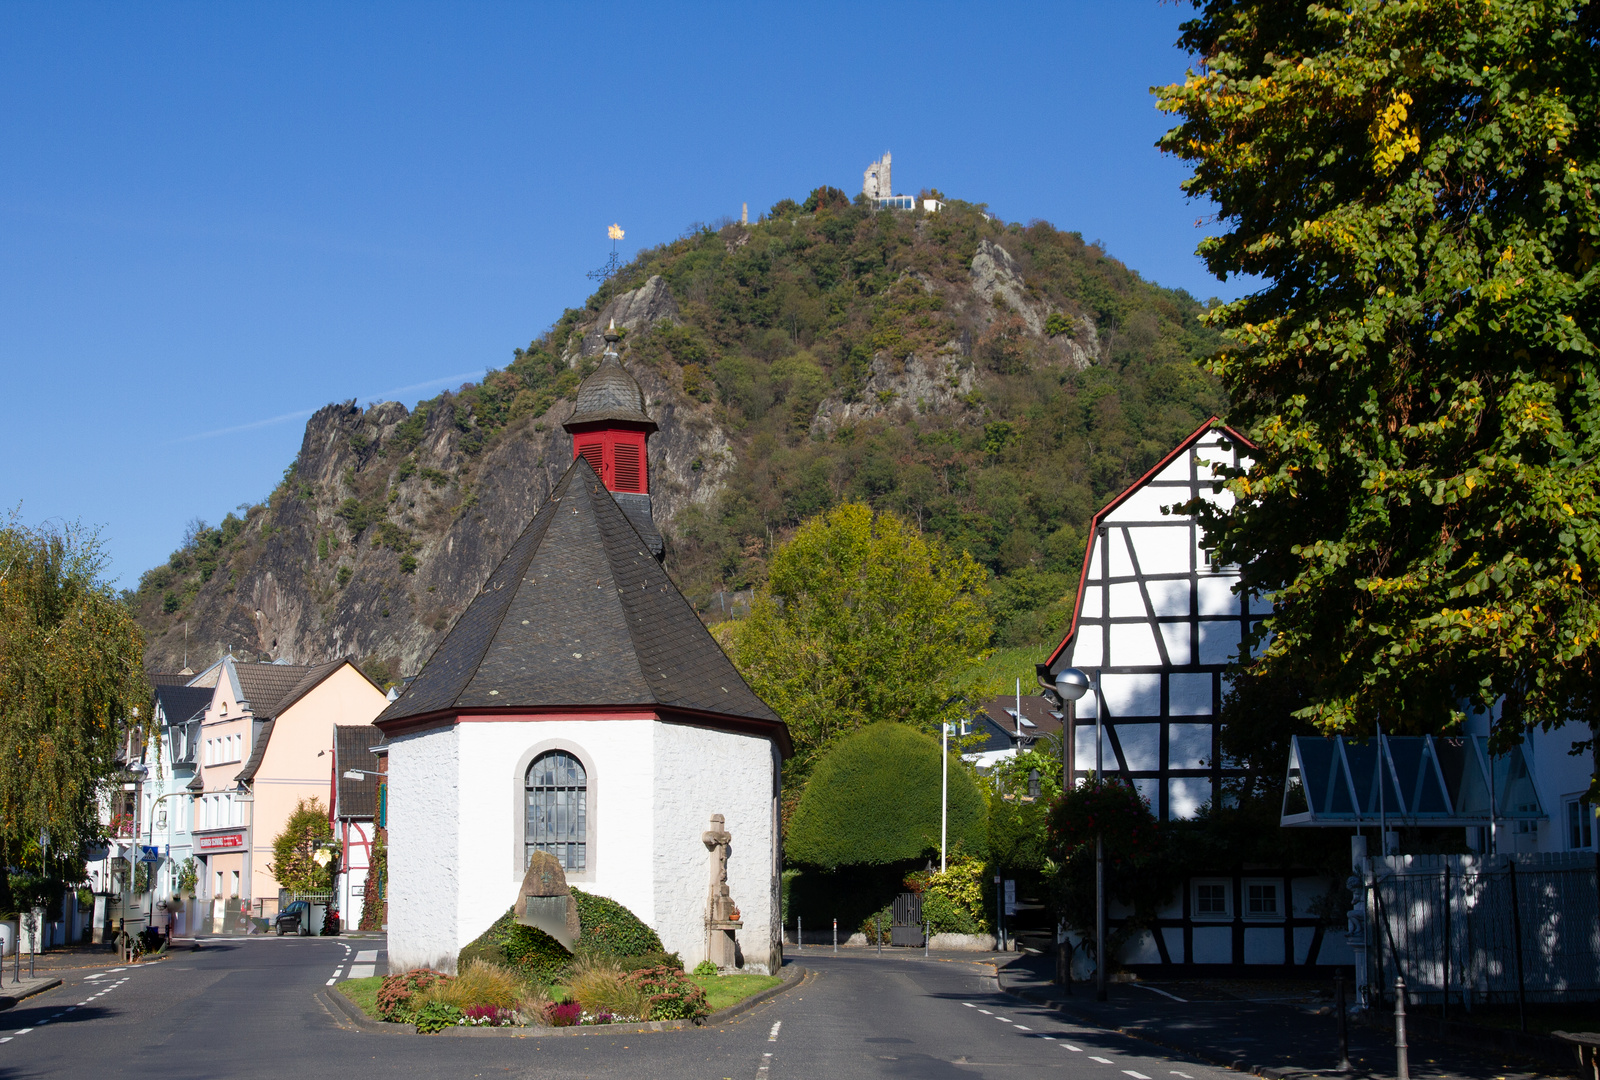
(610, 429)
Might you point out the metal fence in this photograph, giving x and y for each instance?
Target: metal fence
(1511, 929)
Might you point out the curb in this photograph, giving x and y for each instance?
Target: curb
(338, 1003)
(8, 1001)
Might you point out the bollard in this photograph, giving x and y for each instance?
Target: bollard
(1402, 1066)
(799, 934)
(1344, 1022)
(926, 934)
(877, 932)
(836, 935)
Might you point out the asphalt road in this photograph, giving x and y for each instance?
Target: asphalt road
(249, 1008)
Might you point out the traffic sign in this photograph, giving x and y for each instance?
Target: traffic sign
(151, 855)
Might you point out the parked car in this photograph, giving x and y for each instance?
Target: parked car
(294, 919)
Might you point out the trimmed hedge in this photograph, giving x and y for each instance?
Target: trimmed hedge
(873, 800)
(604, 926)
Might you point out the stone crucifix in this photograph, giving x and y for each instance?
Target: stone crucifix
(722, 914)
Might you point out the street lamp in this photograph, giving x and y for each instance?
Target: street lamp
(1072, 684)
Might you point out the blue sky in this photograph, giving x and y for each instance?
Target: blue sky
(215, 218)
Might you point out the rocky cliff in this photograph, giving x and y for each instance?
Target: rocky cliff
(991, 381)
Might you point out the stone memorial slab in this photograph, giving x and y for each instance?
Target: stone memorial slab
(545, 902)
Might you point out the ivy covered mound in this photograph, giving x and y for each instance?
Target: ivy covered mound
(604, 927)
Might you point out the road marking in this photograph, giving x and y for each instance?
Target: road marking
(1163, 993)
(333, 980)
(986, 1012)
(1074, 1049)
(1136, 1075)
(1185, 1076)
(772, 1036)
(1002, 1019)
(24, 1031)
(1101, 1060)
(1048, 1038)
(1022, 1028)
(6, 1039)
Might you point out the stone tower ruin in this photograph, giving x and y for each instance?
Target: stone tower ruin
(875, 182)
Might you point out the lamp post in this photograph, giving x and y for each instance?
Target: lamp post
(944, 795)
(1072, 684)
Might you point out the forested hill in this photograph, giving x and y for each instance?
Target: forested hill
(993, 382)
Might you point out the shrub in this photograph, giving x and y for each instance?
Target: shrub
(479, 984)
(601, 986)
(952, 901)
(608, 927)
(705, 967)
(533, 1002)
(398, 995)
(605, 928)
(567, 1014)
(671, 995)
(650, 960)
(436, 1016)
(294, 850)
(874, 799)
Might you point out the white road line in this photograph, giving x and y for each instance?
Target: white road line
(1048, 1038)
(986, 1012)
(969, 1004)
(1022, 1028)
(1136, 1075)
(333, 980)
(6, 1039)
(1163, 993)
(1101, 1060)
(772, 1036)
(1074, 1049)
(1002, 1019)
(24, 1031)
(1185, 1076)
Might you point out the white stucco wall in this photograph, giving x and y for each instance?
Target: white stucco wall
(456, 800)
(494, 760)
(700, 772)
(424, 856)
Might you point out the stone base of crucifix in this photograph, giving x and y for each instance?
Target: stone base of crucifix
(722, 914)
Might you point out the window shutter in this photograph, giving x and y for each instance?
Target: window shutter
(594, 454)
(627, 468)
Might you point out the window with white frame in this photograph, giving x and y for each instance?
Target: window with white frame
(1580, 824)
(557, 808)
(1211, 899)
(1262, 900)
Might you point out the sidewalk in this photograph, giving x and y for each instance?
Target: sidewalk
(1271, 1040)
(11, 992)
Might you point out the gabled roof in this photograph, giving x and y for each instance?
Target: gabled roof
(271, 688)
(352, 744)
(1041, 718)
(310, 678)
(181, 703)
(1212, 423)
(579, 614)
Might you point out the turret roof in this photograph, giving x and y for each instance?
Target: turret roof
(580, 614)
(609, 393)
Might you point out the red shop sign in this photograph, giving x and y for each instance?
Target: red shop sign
(222, 842)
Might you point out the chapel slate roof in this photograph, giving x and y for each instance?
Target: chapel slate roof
(609, 393)
(351, 746)
(579, 614)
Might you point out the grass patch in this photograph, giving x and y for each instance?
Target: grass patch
(999, 674)
(364, 992)
(724, 990)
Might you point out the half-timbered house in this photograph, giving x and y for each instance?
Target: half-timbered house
(1156, 627)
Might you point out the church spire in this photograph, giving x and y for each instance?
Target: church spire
(610, 430)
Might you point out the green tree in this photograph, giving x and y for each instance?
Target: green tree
(875, 801)
(71, 680)
(301, 852)
(862, 619)
(1414, 183)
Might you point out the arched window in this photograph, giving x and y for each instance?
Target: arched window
(557, 810)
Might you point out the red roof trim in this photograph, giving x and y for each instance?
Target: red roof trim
(777, 732)
(1212, 423)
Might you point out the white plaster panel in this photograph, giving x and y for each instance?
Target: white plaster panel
(1149, 790)
(1216, 595)
(619, 840)
(1090, 609)
(1213, 945)
(1176, 470)
(1264, 945)
(1141, 745)
(1163, 550)
(1304, 892)
(1126, 600)
(1303, 936)
(1169, 597)
(1185, 796)
(1260, 605)
(1134, 645)
(700, 772)
(1088, 704)
(1176, 635)
(1085, 757)
(1189, 693)
(1116, 549)
(1146, 503)
(1088, 648)
(1094, 559)
(1219, 642)
(1140, 949)
(1335, 949)
(1131, 695)
(424, 863)
(1174, 939)
(1188, 746)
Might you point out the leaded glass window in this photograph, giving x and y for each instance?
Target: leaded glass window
(558, 810)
